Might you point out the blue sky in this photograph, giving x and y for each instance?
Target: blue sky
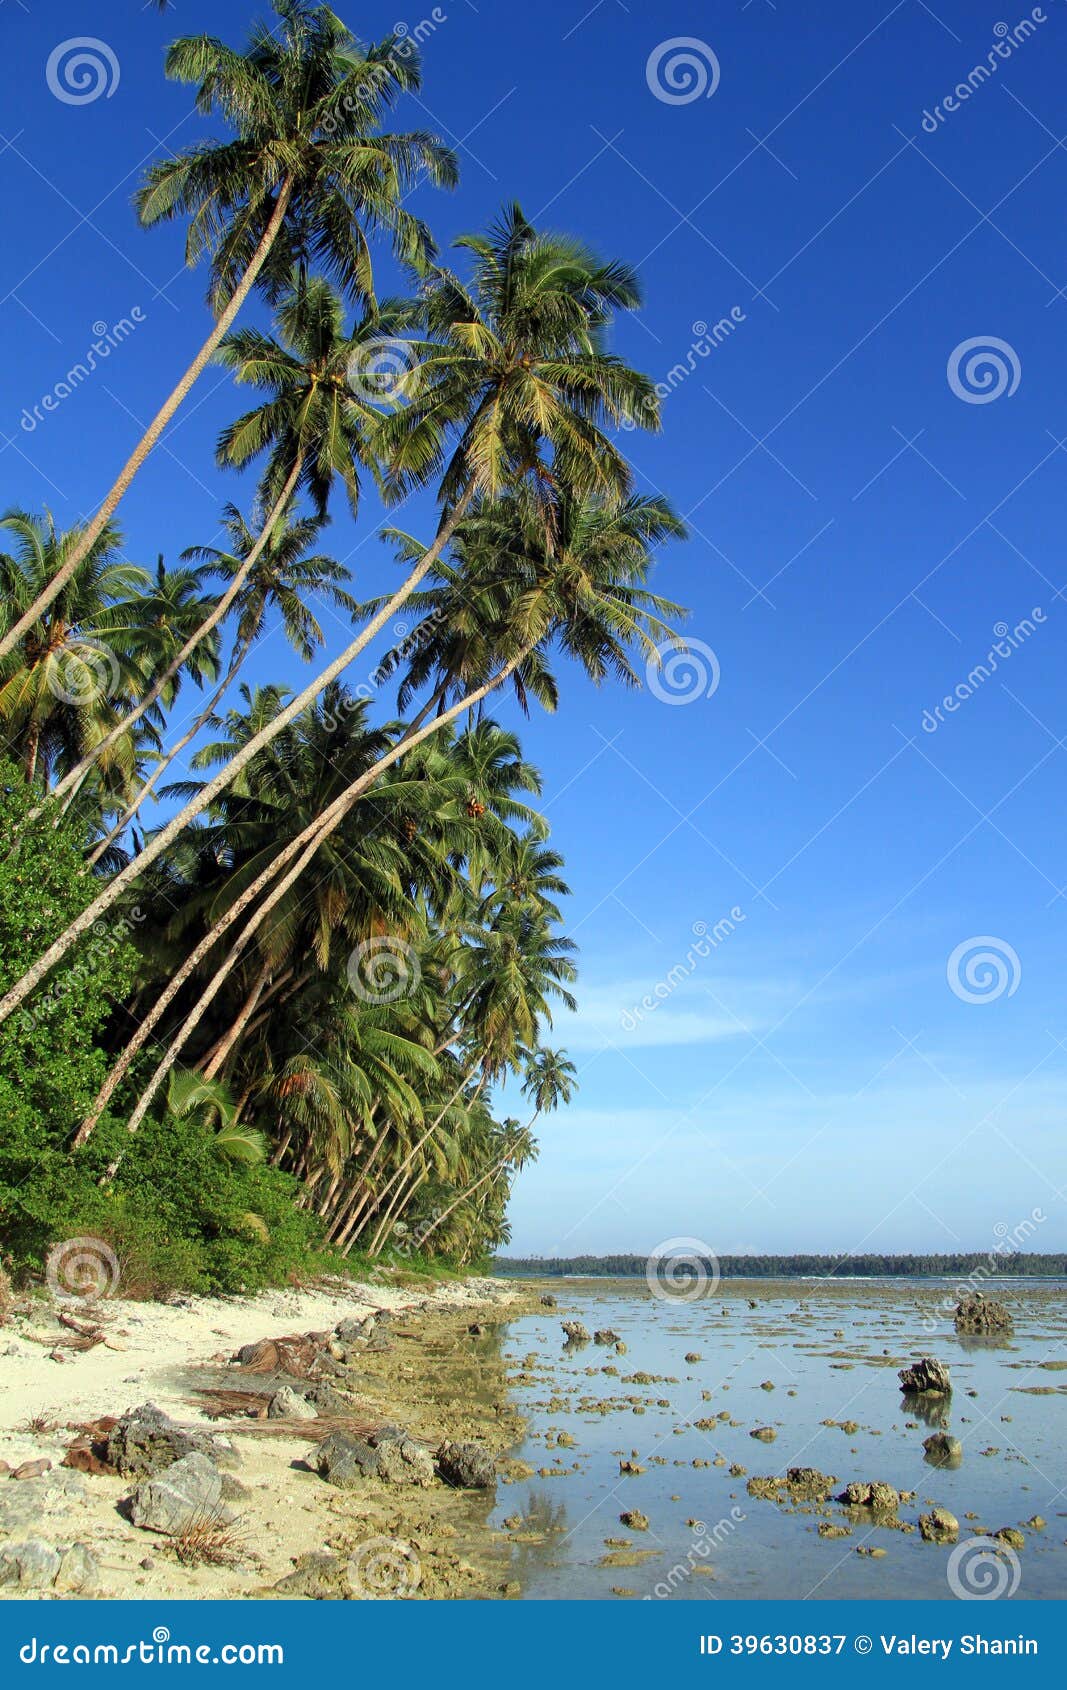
(866, 519)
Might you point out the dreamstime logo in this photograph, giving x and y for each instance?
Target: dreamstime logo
(983, 969)
(377, 372)
(81, 69)
(384, 1568)
(982, 369)
(707, 338)
(682, 70)
(82, 1270)
(383, 970)
(682, 1271)
(682, 671)
(83, 674)
(983, 1569)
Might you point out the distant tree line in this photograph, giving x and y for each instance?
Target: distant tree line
(1030, 1266)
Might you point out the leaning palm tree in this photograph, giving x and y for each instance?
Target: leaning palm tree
(516, 388)
(73, 672)
(284, 580)
(313, 428)
(582, 589)
(308, 175)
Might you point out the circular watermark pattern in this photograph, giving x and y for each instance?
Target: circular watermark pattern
(682, 672)
(983, 969)
(384, 1569)
(982, 1569)
(682, 70)
(383, 970)
(82, 70)
(82, 1270)
(377, 372)
(982, 369)
(161, 1634)
(84, 673)
(682, 1270)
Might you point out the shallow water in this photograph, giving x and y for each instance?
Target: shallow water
(831, 1352)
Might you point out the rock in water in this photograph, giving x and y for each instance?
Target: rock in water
(943, 1450)
(983, 1316)
(926, 1377)
(605, 1336)
(575, 1332)
(189, 1491)
(288, 1404)
(548, 1301)
(939, 1526)
(874, 1494)
(467, 1466)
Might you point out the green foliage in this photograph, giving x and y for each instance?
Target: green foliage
(182, 1211)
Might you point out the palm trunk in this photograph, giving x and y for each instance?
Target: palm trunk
(378, 1241)
(313, 836)
(462, 1198)
(226, 775)
(279, 1154)
(33, 745)
(198, 635)
(175, 751)
(155, 428)
(223, 1049)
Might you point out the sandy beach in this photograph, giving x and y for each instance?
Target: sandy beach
(289, 1531)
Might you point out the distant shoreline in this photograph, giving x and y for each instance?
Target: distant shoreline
(976, 1268)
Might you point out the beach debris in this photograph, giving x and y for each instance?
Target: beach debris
(926, 1377)
(939, 1526)
(943, 1450)
(466, 1466)
(983, 1316)
(288, 1404)
(144, 1441)
(188, 1491)
(296, 1354)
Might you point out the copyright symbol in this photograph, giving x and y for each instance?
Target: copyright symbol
(863, 1645)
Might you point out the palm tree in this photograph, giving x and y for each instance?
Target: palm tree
(307, 176)
(583, 591)
(312, 427)
(518, 385)
(76, 668)
(284, 580)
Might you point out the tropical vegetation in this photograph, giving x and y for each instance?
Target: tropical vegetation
(275, 960)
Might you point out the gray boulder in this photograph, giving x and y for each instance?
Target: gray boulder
(32, 1565)
(145, 1441)
(190, 1490)
(575, 1332)
(288, 1404)
(467, 1466)
(78, 1571)
(390, 1455)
